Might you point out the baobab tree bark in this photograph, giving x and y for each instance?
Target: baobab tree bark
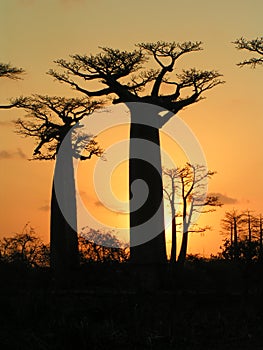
(145, 164)
(64, 258)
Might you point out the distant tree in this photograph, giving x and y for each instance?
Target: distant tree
(123, 77)
(247, 251)
(101, 246)
(186, 184)
(24, 249)
(255, 46)
(10, 72)
(233, 225)
(251, 221)
(170, 193)
(48, 121)
(260, 222)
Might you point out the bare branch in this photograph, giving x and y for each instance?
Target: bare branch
(8, 71)
(162, 51)
(49, 119)
(254, 45)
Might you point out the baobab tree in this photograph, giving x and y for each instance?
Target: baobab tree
(10, 72)
(123, 78)
(186, 185)
(49, 120)
(255, 46)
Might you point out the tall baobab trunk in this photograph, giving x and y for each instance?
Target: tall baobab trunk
(63, 235)
(147, 231)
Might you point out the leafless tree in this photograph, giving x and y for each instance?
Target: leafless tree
(186, 184)
(233, 224)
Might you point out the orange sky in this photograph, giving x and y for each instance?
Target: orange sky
(228, 124)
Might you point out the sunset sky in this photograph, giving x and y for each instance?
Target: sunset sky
(228, 123)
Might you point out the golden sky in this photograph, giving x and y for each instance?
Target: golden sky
(228, 123)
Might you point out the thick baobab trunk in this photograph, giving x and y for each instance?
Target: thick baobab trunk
(147, 231)
(63, 235)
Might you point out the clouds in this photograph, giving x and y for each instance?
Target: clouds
(224, 199)
(18, 154)
(45, 207)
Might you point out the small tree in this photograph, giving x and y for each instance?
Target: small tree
(233, 225)
(260, 221)
(25, 249)
(101, 246)
(10, 72)
(170, 194)
(187, 184)
(48, 121)
(252, 225)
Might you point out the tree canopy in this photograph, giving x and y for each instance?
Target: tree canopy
(123, 76)
(10, 72)
(49, 119)
(254, 46)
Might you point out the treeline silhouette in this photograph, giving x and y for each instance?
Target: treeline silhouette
(208, 303)
(105, 261)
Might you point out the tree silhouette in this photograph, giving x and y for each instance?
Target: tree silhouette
(48, 121)
(251, 221)
(260, 221)
(170, 193)
(254, 46)
(123, 78)
(245, 240)
(186, 184)
(233, 224)
(24, 249)
(100, 246)
(10, 72)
